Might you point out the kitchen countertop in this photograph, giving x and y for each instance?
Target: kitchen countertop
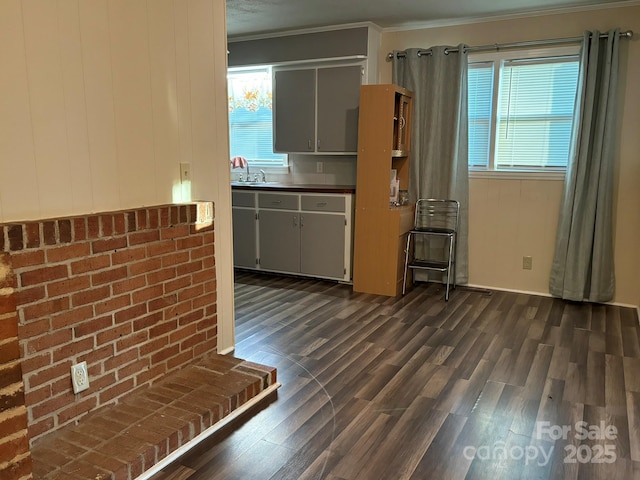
(287, 187)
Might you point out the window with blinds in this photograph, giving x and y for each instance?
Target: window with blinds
(480, 107)
(521, 111)
(251, 117)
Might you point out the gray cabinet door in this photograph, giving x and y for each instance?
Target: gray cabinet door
(322, 244)
(244, 237)
(294, 116)
(279, 241)
(338, 102)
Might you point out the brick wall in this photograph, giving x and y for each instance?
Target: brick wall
(15, 460)
(133, 293)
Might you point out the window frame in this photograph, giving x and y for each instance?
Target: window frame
(497, 58)
(272, 167)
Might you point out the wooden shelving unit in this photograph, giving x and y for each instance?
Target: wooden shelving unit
(381, 229)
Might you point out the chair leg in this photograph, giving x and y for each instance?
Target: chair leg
(446, 296)
(455, 258)
(406, 264)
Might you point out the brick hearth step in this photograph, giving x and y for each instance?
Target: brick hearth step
(124, 440)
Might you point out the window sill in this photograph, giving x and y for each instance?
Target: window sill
(517, 175)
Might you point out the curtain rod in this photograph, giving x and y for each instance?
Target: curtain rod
(498, 46)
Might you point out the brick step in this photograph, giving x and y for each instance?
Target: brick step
(124, 440)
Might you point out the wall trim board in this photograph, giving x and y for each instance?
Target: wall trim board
(351, 42)
(544, 294)
(454, 22)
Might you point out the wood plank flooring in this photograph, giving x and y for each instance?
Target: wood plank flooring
(488, 385)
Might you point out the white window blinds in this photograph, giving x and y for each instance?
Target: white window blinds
(251, 117)
(535, 113)
(480, 106)
(521, 108)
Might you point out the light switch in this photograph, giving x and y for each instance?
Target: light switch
(185, 172)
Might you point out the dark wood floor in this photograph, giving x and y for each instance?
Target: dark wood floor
(490, 385)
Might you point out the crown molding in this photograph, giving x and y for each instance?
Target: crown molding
(512, 16)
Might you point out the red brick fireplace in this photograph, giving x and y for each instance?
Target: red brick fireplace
(132, 293)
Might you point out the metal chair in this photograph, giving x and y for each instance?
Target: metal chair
(432, 242)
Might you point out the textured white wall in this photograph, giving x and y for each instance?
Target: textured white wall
(100, 102)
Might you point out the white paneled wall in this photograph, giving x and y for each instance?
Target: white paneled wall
(102, 99)
(95, 62)
(164, 23)
(506, 219)
(18, 179)
(100, 102)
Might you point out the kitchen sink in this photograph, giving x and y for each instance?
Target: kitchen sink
(250, 184)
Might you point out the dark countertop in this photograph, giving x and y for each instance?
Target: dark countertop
(286, 187)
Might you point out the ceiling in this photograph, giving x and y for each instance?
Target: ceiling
(254, 17)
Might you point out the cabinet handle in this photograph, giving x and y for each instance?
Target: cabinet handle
(276, 202)
(301, 221)
(318, 142)
(295, 220)
(321, 204)
(309, 144)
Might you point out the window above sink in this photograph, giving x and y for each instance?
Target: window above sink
(251, 116)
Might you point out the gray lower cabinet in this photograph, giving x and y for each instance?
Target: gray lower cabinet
(302, 242)
(322, 237)
(279, 240)
(307, 234)
(244, 237)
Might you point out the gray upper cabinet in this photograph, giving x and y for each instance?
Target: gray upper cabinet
(338, 101)
(295, 110)
(316, 110)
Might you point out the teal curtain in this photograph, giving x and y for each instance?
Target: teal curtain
(439, 159)
(583, 266)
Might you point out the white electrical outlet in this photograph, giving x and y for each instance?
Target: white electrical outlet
(319, 167)
(79, 377)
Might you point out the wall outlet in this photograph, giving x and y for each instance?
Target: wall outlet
(319, 167)
(527, 263)
(79, 377)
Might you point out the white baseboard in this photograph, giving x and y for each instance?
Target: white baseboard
(226, 351)
(510, 290)
(546, 294)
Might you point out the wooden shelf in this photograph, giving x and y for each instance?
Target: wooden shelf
(381, 229)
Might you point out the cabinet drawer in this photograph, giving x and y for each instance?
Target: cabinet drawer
(323, 203)
(243, 199)
(278, 200)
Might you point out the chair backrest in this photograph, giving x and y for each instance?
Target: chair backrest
(437, 213)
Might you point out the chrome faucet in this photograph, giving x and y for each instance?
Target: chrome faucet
(248, 177)
(263, 176)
